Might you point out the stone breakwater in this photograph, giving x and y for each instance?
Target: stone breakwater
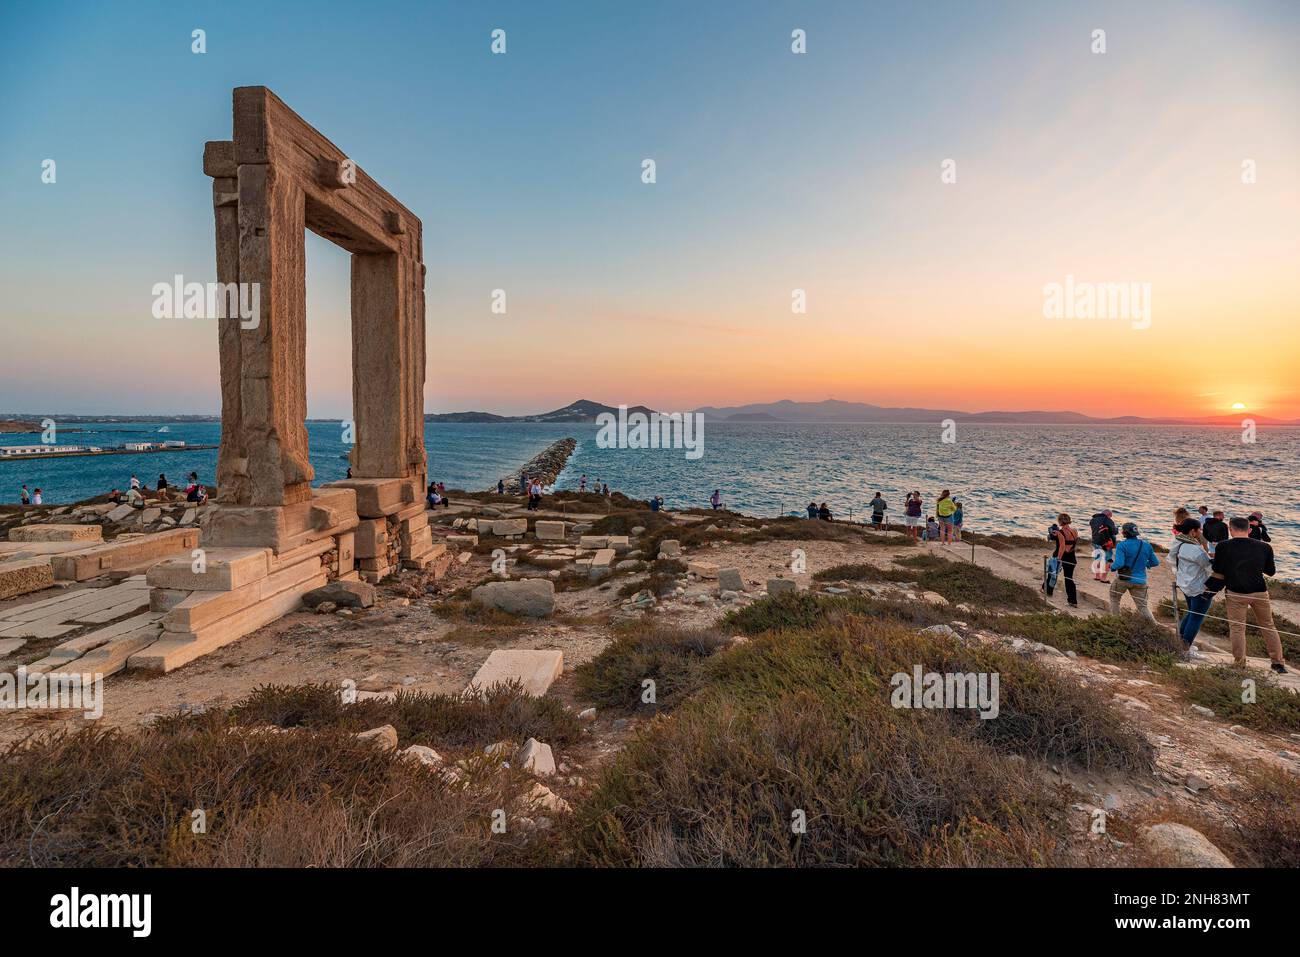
(547, 465)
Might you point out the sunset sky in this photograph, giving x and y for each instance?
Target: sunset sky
(775, 171)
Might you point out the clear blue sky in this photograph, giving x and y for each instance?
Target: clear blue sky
(775, 171)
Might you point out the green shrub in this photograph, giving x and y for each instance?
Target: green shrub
(668, 656)
(968, 583)
(1220, 689)
(1127, 638)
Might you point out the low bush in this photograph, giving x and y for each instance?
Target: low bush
(1220, 689)
(438, 720)
(968, 583)
(667, 656)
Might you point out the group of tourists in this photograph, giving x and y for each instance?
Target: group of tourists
(820, 512)
(31, 498)
(597, 488)
(138, 493)
(1209, 555)
(943, 526)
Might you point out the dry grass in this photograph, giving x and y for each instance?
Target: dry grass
(295, 799)
(440, 721)
(799, 725)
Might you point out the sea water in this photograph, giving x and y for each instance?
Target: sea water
(1009, 478)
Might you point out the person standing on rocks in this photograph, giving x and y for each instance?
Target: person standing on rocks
(1192, 574)
(1258, 530)
(716, 499)
(37, 499)
(26, 497)
(912, 515)
(1133, 556)
(582, 483)
(878, 508)
(501, 486)
(944, 509)
(1243, 562)
(957, 518)
(1066, 539)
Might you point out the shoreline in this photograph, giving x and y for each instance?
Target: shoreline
(67, 455)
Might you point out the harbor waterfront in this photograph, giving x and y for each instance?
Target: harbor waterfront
(1010, 478)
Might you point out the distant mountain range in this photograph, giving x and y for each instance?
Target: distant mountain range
(583, 410)
(835, 410)
(786, 410)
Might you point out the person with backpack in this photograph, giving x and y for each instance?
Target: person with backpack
(1133, 556)
(1193, 573)
(1104, 533)
(1066, 538)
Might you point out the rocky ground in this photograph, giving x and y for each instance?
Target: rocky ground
(421, 635)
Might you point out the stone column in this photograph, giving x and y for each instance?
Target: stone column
(273, 353)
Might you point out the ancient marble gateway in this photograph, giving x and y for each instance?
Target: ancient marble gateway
(271, 536)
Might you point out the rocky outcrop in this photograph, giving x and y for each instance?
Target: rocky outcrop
(532, 598)
(1182, 846)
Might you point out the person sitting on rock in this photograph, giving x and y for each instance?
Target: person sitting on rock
(824, 513)
(812, 509)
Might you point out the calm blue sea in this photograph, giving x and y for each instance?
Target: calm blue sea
(1011, 478)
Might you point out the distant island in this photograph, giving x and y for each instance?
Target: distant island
(583, 410)
(837, 411)
(16, 426)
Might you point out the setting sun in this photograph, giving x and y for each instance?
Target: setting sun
(1238, 406)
